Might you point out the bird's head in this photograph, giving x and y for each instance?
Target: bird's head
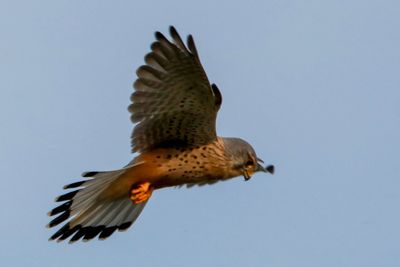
(244, 158)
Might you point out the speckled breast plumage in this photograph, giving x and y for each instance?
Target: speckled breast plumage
(198, 165)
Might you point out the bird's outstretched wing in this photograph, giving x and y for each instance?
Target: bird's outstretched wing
(173, 103)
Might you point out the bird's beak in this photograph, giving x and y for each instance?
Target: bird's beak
(246, 174)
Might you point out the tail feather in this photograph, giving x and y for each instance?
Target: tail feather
(74, 185)
(86, 215)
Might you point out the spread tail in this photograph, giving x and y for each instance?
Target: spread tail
(88, 214)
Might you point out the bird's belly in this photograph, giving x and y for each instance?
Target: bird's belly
(189, 178)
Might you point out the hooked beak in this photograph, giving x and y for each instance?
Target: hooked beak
(246, 175)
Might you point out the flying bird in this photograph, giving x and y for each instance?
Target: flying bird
(174, 107)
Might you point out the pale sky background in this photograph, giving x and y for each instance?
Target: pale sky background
(314, 86)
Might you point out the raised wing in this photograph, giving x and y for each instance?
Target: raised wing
(173, 103)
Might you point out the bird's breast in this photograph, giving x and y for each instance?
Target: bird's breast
(180, 166)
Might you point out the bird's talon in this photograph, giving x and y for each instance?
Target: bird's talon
(141, 192)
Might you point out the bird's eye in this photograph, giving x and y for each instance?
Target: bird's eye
(249, 163)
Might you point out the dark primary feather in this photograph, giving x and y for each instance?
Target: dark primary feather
(192, 46)
(178, 41)
(217, 94)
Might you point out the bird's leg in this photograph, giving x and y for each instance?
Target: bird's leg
(141, 192)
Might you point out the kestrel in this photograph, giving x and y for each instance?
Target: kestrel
(175, 109)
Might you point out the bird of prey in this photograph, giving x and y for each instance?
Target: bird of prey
(174, 107)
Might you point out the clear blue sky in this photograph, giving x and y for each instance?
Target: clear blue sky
(314, 86)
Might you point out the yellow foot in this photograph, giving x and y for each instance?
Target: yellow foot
(141, 192)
